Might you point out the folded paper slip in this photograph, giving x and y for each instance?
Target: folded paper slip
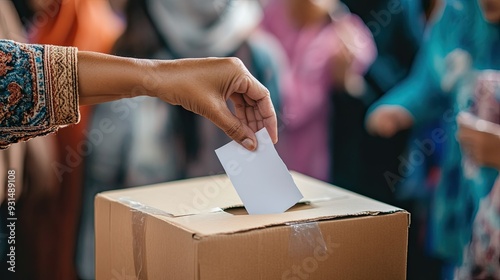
(197, 229)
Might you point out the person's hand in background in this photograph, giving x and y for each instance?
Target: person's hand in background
(341, 66)
(479, 140)
(202, 86)
(387, 120)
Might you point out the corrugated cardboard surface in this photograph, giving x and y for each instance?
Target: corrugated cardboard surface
(193, 238)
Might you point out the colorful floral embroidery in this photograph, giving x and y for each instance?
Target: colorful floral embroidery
(38, 90)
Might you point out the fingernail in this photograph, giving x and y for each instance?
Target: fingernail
(248, 143)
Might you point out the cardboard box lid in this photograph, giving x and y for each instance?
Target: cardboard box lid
(203, 205)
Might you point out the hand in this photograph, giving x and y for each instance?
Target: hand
(204, 85)
(341, 66)
(387, 120)
(481, 146)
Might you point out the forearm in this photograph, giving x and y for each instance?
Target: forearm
(104, 78)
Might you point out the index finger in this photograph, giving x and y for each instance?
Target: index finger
(257, 92)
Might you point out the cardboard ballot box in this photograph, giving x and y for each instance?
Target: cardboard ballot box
(197, 229)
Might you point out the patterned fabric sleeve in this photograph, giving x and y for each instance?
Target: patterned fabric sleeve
(482, 254)
(38, 90)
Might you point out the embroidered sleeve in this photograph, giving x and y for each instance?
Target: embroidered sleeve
(38, 90)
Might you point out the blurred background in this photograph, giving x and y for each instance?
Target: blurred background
(367, 94)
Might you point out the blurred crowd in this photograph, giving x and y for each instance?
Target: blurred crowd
(398, 100)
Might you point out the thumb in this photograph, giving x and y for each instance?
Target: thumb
(236, 129)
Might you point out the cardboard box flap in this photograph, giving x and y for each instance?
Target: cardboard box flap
(198, 204)
(205, 196)
(226, 223)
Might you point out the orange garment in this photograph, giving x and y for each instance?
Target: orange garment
(89, 25)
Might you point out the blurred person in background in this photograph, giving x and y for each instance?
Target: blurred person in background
(461, 46)
(479, 138)
(154, 142)
(363, 162)
(52, 205)
(361, 159)
(327, 49)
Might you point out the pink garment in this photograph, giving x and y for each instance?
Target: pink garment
(306, 83)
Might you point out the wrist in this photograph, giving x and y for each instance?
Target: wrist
(159, 78)
(146, 78)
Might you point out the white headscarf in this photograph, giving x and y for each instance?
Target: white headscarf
(199, 28)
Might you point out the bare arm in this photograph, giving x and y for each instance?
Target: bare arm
(200, 85)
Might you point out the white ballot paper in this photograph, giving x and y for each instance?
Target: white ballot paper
(260, 178)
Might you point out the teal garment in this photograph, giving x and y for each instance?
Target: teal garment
(459, 45)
